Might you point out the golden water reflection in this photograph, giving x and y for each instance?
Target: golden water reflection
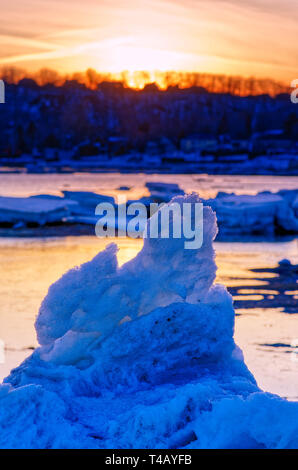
(29, 267)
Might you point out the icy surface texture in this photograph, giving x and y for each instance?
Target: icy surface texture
(141, 356)
(264, 213)
(39, 210)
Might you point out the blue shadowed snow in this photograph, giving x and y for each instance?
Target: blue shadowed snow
(141, 356)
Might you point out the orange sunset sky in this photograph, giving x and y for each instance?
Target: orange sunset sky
(238, 37)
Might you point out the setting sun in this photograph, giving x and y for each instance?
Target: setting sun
(214, 37)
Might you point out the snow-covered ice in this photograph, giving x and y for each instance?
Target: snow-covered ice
(141, 356)
(163, 192)
(86, 201)
(263, 213)
(39, 210)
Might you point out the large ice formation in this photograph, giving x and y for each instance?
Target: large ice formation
(141, 356)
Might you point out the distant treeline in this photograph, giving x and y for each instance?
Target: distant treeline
(235, 85)
(72, 115)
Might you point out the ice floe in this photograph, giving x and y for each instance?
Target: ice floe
(261, 214)
(38, 210)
